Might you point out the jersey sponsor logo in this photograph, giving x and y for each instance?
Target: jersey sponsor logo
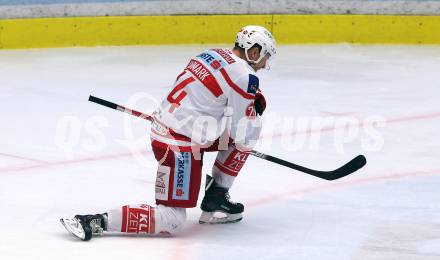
(216, 65)
(225, 55)
(162, 182)
(210, 60)
(182, 175)
(253, 84)
(206, 57)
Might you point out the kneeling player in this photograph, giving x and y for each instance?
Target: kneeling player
(220, 86)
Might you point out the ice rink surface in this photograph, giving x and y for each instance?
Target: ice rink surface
(61, 155)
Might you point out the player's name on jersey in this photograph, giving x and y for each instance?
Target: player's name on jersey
(198, 70)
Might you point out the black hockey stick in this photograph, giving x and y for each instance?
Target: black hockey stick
(350, 167)
(346, 169)
(109, 104)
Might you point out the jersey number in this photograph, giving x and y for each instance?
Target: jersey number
(175, 100)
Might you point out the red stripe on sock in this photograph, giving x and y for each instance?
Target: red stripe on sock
(124, 219)
(224, 169)
(152, 221)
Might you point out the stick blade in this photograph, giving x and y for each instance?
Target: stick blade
(350, 167)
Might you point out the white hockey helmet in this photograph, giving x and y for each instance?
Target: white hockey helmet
(250, 35)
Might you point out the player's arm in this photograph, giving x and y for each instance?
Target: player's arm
(245, 125)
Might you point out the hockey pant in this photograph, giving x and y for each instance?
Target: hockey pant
(168, 219)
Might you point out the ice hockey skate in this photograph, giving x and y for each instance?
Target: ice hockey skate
(85, 226)
(216, 206)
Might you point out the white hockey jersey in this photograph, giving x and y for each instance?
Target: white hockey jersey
(214, 93)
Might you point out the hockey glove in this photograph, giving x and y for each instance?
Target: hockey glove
(259, 103)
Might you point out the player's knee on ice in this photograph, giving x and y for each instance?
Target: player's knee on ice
(169, 219)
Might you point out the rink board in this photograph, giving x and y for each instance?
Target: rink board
(201, 29)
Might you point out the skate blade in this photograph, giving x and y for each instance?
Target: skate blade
(210, 218)
(74, 227)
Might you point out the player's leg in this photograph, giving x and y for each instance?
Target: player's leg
(177, 187)
(226, 168)
(144, 219)
(138, 219)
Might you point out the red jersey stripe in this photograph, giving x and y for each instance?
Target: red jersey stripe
(205, 76)
(234, 86)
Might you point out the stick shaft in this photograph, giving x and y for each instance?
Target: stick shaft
(350, 167)
(119, 108)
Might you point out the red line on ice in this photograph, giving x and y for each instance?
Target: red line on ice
(125, 155)
(195, 229)
(336, 185)
(67, 162)
(332, 128)
(22, 158)
(328, 113)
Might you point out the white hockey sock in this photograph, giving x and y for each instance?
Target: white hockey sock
(145, 219)
(227, 166)
(222, 179)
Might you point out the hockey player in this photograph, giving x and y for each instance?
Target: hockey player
(214, 106)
